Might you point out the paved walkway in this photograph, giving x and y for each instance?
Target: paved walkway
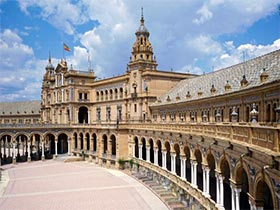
(54, 185)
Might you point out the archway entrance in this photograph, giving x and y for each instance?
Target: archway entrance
(83, 114)
(62, 144)
(264, 194)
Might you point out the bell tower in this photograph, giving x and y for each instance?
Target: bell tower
(142, 50)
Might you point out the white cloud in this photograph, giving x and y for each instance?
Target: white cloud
(62, 14)
(204, 44)
(181, 31)
(204, 13)
(236, 54)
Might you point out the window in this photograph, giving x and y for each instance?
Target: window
(135, 107)
(108, 113)
(80, 95)
(85, 95)
(119, 117)
(98, 114)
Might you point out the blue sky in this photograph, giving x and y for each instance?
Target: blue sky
(188, 36)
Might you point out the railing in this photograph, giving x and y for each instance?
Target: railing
(196, 193)
(251, 134)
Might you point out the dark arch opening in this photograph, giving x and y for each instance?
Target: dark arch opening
(168, 156)
(114, 146)
(199, 174)
(177, 160)
(225, 169)
(136, 147)
(88, 141)
(143, 140)
(105, 145)
(212, 178)
(94, 142)
(151, 150)
(76, 140)
(62, 144)
(83, 115)
(264, 195)
(188, 163)
(159, 153)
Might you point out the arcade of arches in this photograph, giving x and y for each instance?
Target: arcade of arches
(20, 147)
(230, 182)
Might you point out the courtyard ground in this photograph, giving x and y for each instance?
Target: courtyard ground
(55, 185)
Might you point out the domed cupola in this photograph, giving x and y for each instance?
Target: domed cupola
(142, 50)
(49, 65)
(142, 30)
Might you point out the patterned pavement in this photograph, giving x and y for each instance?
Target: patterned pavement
(54, 185)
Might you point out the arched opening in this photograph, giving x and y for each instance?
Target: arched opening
(143, 141)
(20, 149)
(116, 93)
(83, 114)
(94, 143)
(212, 178)
(62, 144)
(50, 146)
(225, 169)
(159, 153)
(88, 141)
(75, 140)
(105, 145)
(264, 195)
(168, 156)
(242, 182)
(268, 112)
(114, 146)
(35, 152)
(188, 163)
(151, 150)
(81, 141)
(199, 174)
(177, 160)
(136, 147)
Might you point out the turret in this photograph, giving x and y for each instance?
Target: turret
(142, 50)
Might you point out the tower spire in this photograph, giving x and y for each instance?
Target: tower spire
(142, 16)
(142, 50)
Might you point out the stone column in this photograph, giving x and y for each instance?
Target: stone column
(156, 156)
(55, 143)
(69, 146)
(164, 159)
(221, 179)
(237, 198)
(28, 151)
(207, 182)
(148, 154)
(173, 163)
(195, 174)
(232, 197)
(79, 143)
(133, 150)
(88, 117)
(217, 190)
(14, 153)
(183, 167)
(5, 145)
(43, 151)
(140, 152)
(204, 180)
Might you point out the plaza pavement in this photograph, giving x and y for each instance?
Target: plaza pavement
(55, 185)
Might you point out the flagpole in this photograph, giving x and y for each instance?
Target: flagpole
(63, 50)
